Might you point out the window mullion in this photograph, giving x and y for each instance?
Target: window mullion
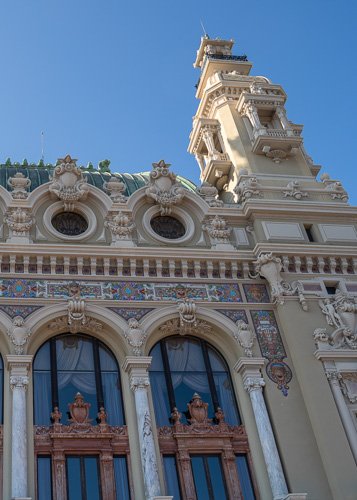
(83, 478)
(54, 377)
(98, 374)
(210, 377)
(208, 478)
(167, 372)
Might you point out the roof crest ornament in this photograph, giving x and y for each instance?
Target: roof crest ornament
(163, 187)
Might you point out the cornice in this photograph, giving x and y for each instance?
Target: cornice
(335, 354)
(308, 249)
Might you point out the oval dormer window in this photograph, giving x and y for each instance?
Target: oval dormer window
(70, 223)
(168, 227)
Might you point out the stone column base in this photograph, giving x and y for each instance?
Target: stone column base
(163, 498)
(21, 498)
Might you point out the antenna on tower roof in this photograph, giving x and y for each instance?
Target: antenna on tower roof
(42, 146)
(203, 29)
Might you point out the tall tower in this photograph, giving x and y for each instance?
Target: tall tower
(241, 127)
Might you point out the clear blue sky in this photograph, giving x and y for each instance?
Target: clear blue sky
(113, 79)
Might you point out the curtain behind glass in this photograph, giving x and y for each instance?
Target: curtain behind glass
(121, 479)
(42, 397)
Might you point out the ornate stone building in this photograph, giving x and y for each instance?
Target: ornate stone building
(164, 340)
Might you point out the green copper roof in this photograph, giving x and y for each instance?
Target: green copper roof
(40, 175)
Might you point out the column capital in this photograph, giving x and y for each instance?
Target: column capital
(19, 367)
(19, 381)
(333, 376)
(137, 368)
(253, 383)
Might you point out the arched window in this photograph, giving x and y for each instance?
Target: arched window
(205, 451)
(77, 394)
(182, 366)
(68, 364)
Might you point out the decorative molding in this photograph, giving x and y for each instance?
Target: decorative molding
(19, 221)
(19, 334)
(120, 225)
(19, 184)
(19, 381)
(247, 187)
(253, 384)
(135, 336)
(175, 327)
(293, 191)
(163, 187)
(218, 229)
(68, 183)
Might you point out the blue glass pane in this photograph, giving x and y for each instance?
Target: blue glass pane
(112, 398)
(92, 479)
(186, 384)
(244, 477)
(69, 383)
(156, 363)
(121, 479)
(199, 477)
(184, 355)
(107, 360)
(171, 477)
(226, 397)
(160, 398)
(42, 397)
(216, 476)
(74, 490)
(74, 353)
(216, 361)
(44, 486)
(43, 359)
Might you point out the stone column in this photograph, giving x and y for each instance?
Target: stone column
(280, 112)
(334, 378)
(137, 368)
(251, 111)
(19, 366)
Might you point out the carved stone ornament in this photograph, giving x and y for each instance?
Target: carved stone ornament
(175, 327)
(253, 384)
(79, 411)
(163, 187)
(209, 193)
(115, 188)
(120, 225)
(76, 312)
(294, 191)
(248, 188)
(135, 336)
(334, 188)
(187, 312)
(19, 334)
(68, 183)
(218, 229)
(139, 382)
(245, 337)
(19, 221)
(270, 267)
(198, 411)
(256, 88)
(276, 155)
(341, 313)
(349, 385)
(19, 184)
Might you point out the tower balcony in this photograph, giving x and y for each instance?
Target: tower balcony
(216, 171)
(266, 139)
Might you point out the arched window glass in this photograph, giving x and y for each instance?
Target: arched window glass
(69, 364)
(183, 366)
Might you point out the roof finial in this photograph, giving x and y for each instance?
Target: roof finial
(204, 30)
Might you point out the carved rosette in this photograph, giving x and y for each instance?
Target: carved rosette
(68, 183)
(163, 187)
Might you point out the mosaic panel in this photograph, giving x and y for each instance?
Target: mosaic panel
(120, 290)
(256, 293)
(234, 315)
(272, 348)
(127, 313)
(23, 311)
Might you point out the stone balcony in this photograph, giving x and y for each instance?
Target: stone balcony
(264, 139)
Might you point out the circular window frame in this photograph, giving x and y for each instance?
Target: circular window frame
(185, 219)
(80, 209)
